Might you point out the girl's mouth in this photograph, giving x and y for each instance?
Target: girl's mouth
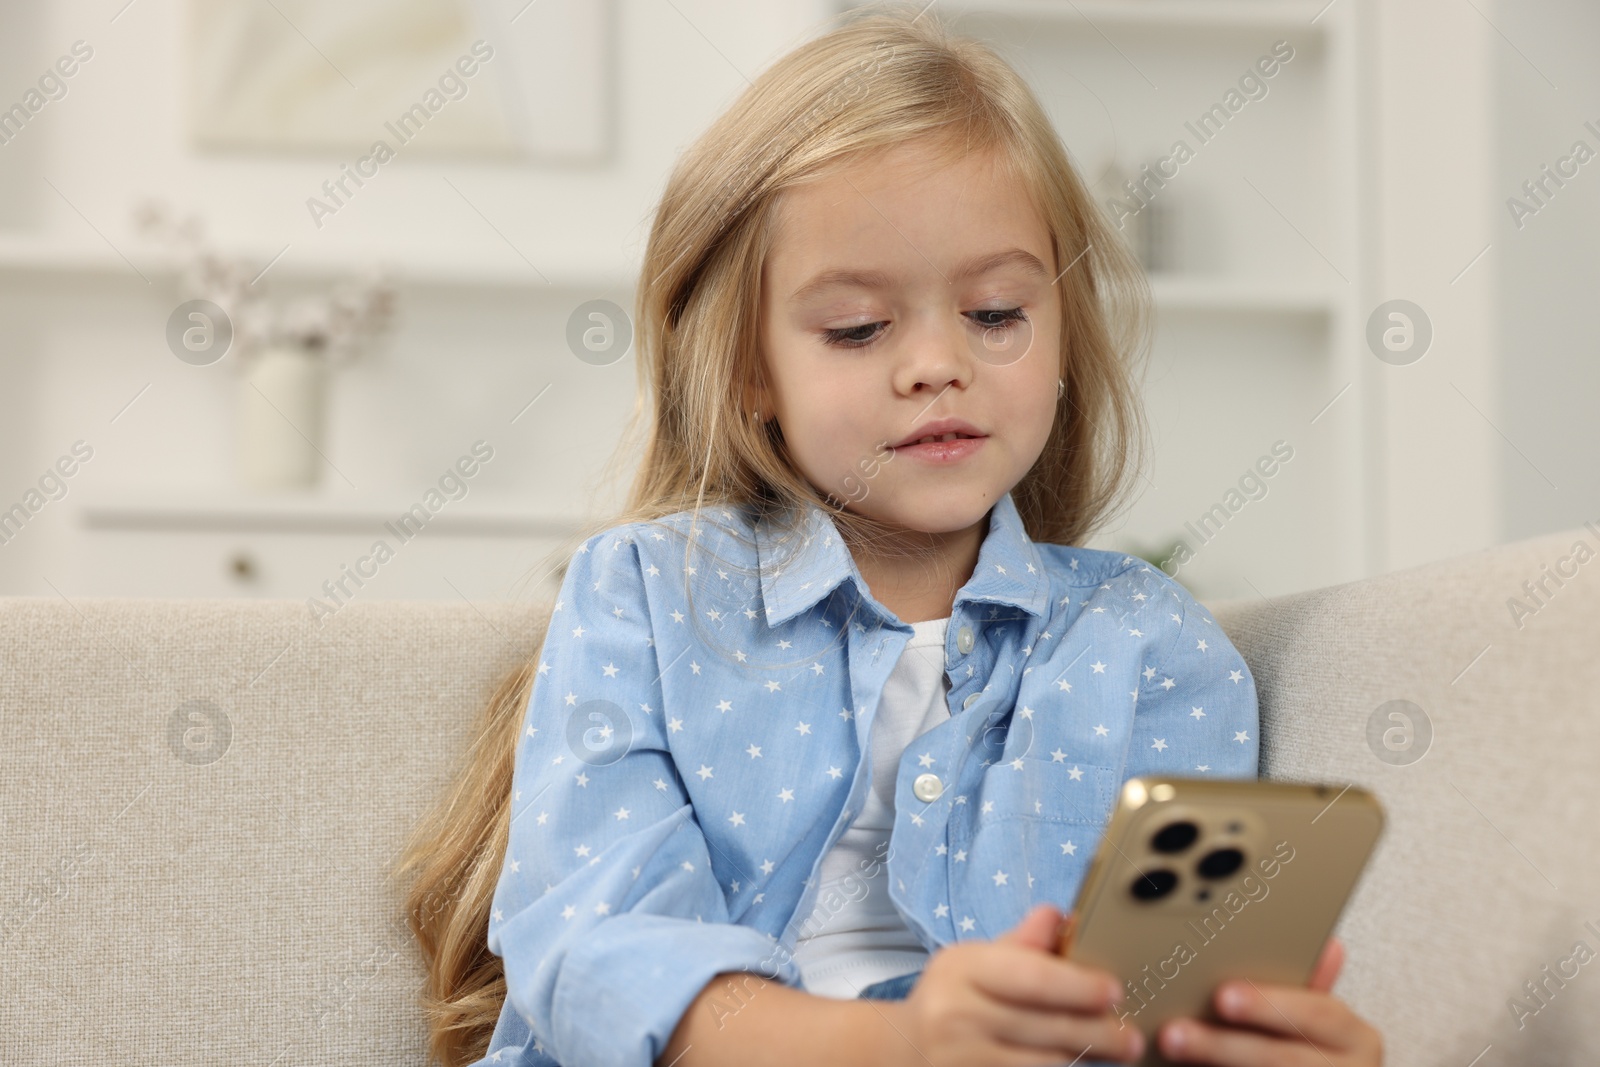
(944, 449)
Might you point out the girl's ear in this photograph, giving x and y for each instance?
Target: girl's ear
(756, 399)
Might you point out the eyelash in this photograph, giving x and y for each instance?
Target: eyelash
(837, 338)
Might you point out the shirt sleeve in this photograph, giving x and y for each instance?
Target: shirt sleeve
(1196, 715)
(607, 914)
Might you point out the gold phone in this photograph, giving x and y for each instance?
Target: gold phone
(1198, 880)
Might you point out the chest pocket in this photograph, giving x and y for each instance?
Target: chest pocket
(1026, 836)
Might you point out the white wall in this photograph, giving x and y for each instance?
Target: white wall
(1452, 131)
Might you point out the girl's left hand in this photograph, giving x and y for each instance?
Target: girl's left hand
(1278, 1026)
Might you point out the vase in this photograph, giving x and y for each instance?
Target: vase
(282, 399)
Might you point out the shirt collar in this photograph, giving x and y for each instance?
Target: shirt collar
(797, 573)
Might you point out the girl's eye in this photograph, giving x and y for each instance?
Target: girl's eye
(849, 337)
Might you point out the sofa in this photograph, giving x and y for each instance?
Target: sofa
(203, 800)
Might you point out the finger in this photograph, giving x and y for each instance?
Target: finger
(1326, 972)
(1041, 980)
(1192, 1041)
(1064, 933)
(1062, 1032)
(1304, 1014)
(1036, 929)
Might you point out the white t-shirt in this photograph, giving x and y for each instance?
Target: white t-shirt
(854, 937)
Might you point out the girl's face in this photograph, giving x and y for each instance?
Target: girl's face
(890, 299)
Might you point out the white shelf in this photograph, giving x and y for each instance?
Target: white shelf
(1198, 292)
(1169, 15)
(235, 511)
(32, 254)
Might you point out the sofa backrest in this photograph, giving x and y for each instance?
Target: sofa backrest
(1485, 874)
(203, 801)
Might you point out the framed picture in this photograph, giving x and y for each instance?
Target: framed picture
(491, 78)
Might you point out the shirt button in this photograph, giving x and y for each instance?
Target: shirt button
(964, 639)
(967, 703)
(927, 787)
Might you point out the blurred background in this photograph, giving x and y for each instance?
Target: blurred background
(419, 223)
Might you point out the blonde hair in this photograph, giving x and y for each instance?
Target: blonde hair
(885, 76)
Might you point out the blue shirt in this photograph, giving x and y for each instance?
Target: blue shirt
(693, 746)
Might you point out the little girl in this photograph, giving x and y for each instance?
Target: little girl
(824, 731)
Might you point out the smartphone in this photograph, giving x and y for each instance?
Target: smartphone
(1198, 880)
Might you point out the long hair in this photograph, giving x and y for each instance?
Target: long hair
(883, 77)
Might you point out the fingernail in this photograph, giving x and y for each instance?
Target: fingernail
(1177, 1037)
(1138, 1044)
(1232, 999)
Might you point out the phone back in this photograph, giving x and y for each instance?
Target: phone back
(1201, 880)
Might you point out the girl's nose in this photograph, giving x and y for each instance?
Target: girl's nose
(938, 353)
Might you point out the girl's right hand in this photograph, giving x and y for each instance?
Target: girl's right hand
(1010, 1002)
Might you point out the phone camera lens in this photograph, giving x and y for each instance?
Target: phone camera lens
(1235, 827)
(1220, 863)
(1175, 837)
(1154, 885)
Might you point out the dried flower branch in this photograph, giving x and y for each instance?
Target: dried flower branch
(337, 326)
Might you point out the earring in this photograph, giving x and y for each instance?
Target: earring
(1061, 388)
(756, 415)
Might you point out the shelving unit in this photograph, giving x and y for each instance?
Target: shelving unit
(1260, 313)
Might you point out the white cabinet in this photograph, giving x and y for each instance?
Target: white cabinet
(318, 553)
